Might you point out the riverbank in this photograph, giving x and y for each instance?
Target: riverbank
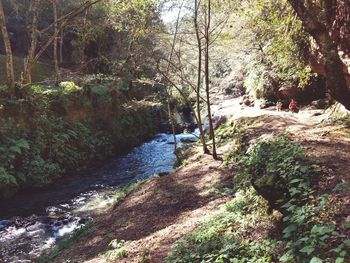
(34, 221)
(157, 213)
(162, 211)
(56, 131)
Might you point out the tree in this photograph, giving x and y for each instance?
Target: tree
(318, 18)
(55, 43)
(35, 52)
(199, 74)
(29, 60)
(168, 91)
(9, 58)
(207, 37)
(275, 46)
(173, 68)
(190, 72)
(138, 21)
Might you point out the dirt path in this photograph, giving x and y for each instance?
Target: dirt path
(163, 209)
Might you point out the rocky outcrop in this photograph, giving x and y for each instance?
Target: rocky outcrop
(328, 24)
(316, 90)
(233, 88)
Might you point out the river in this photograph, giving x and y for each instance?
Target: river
(33, 221)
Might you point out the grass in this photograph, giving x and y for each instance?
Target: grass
(116, 250)
(245, 233)
(66, 242)
(40, 72)
(121, 194)
(224, 237)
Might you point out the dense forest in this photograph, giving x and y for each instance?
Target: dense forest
(175, 131)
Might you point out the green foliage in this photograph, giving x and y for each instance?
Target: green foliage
(117, 251)
(3, 89)
(62, 91)
(51, 145)
(69, 87)
(278, 169)
(101, 90)
(102, 93)
(37, 89)
(281, 44)
(220, 239)
(309, 239)
(12, 146)
(279, 164)
(7, 182)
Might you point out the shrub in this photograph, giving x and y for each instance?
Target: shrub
(278, 170)
(69, 87)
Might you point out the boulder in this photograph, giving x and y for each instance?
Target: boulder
(263, 104)
(189, 139)
(234, 88)
(320, 104)
(290, 92)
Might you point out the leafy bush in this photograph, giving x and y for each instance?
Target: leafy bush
(7, 181)
(279, 171)
(69, 87)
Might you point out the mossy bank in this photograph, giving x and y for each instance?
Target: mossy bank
(54, 131)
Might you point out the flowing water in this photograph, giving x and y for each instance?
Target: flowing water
(32, 222)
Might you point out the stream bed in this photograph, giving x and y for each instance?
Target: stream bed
(32, 222)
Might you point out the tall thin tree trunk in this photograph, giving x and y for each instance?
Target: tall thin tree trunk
(172, 122)
(8, 49)
(61, 35)
(168, 92)
(83, 41)
(207, 73)
(199, 79)
(61, 46)
(29, 60)
(55, 43)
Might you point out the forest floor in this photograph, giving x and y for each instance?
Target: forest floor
(163, 209)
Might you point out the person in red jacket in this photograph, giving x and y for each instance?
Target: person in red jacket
(293, 106)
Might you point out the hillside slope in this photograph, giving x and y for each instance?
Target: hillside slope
(162, 210)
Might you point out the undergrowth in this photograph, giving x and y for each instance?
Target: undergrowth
(274, 174)
(280, 171)
(225, 238)
(54, 132)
